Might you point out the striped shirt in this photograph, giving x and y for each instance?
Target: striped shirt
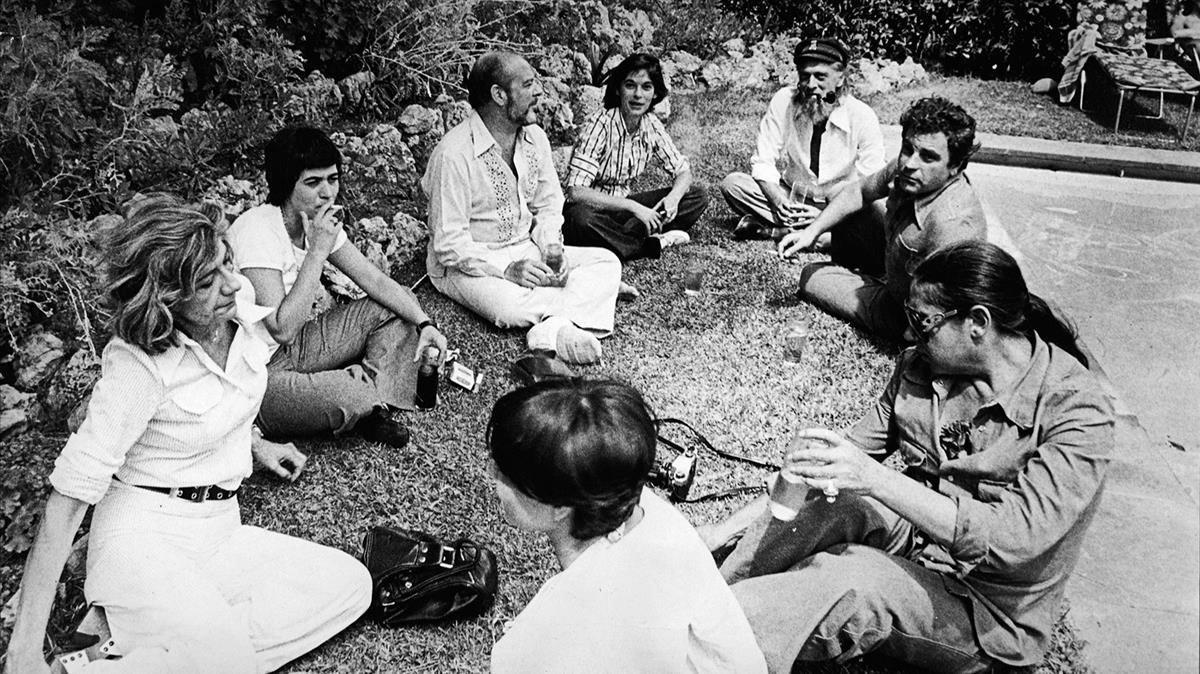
(608, 156)
(175, 419)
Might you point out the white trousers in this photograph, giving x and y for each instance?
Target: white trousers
(588, 299)
(187, 588)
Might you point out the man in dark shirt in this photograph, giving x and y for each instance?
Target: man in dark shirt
(930, 203)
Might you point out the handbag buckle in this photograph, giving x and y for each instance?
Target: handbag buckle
(446, 557)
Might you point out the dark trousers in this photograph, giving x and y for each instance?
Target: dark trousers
(620, 231)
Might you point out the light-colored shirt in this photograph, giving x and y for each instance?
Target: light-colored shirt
(608, 156)
(477, 204)
(175, 419)
(1025, 471)
(651, 602)
(851, 147)
(259, 239)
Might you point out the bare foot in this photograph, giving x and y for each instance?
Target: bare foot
(577, 346)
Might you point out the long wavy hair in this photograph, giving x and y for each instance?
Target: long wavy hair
(978, 273)
(155, 259)
(586, 444)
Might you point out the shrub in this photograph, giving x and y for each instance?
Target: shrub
(987, 38)
(51, 95)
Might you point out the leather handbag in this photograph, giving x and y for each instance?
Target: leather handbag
(417, 577)
(535, 367)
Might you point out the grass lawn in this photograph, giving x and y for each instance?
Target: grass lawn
(1010, 108)
(715, 360)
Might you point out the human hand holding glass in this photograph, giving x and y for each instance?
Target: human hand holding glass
(798, 212)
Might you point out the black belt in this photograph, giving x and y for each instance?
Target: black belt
(194, 494)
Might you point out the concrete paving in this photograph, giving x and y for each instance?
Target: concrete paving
(1122, 256)
(1116, 160)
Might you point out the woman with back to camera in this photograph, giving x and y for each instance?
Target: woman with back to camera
(958, 563)
(613, 149)
(353, 366)
(161, 454)
(638, 591)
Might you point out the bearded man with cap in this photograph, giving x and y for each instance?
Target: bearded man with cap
(814, 139)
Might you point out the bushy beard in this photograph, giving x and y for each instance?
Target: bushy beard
(815, 107)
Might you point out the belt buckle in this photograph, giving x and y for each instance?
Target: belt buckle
(446, 557)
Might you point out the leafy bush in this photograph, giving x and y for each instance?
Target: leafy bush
(988, 38)
(50, 275)
(51, 94)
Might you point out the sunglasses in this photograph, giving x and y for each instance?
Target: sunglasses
(923, 325)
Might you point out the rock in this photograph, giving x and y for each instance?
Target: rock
(13, 423)
(341, 285)
(587, 101)
(418, 119)
(867, 80)
(373, 229)
(582, 66)
(373, 251)
(38, 357)
(1044, 86)
(562, 159)
(684, 62)
(554, 110)
(911, 71)
(680, 69)
(408, 240)
(735, 71)
(354, 88)
(610, 63)
(559, 61)
(753, 72)
(453, 112)
(71, 384)
(163, 128)
(379, 161)
(663, 109)
(736, 46)
(17, 411)
(890, 71)
(236, 196)
(315, 98)
(12, 399)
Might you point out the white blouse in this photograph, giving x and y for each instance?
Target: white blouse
(259, 239)
(651, 602)
(174, 419)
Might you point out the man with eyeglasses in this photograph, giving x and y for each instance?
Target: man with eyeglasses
(930, 203)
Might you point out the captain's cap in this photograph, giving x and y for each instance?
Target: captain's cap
(822, 50)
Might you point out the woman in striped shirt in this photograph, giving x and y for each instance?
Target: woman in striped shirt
(613, 150)
(185, 586)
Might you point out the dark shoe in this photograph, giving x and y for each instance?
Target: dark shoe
(384, 428)
(746, 228)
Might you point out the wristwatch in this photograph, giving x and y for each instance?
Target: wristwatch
(427, 323)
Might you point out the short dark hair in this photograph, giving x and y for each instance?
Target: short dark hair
(634, 62)
(155, 258)
(489, 69)
(293, 151)
(584, 444)
(935, 114)
(970, 273)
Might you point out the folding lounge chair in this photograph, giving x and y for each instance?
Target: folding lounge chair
(1121, 54)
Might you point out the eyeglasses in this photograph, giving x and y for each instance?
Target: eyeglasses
(923, 325)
